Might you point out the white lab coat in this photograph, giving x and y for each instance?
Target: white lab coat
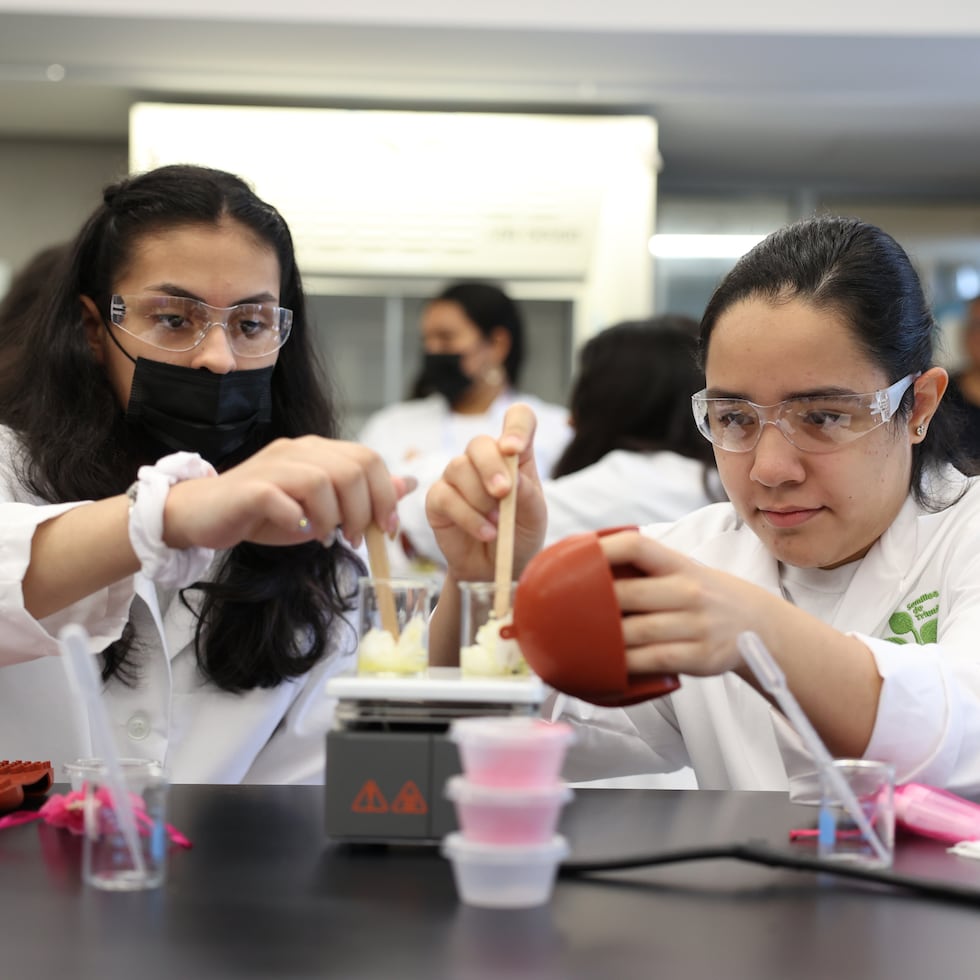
(922, 575)
(627, 488)
(171, 714)
(418, 438)
(621, 488)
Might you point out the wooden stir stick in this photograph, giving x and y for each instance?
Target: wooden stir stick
(381, 573)
(504, 561)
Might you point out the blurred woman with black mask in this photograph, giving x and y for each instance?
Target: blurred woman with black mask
(472, 349)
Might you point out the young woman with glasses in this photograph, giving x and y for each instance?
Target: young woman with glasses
(851, 542)
(169, 479)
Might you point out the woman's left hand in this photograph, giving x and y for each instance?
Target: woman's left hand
(682, 617)
(289, 492)
(463, 506)
(679, 616)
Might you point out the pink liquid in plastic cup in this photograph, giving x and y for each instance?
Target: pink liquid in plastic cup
(511, 750)
(501, 815)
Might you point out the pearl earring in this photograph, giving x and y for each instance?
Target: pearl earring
(920, 430)
(494, 376)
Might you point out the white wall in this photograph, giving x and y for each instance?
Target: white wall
(442, 194)
(47, 189)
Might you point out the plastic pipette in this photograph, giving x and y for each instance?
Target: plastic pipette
(773, 680)
(78, 663)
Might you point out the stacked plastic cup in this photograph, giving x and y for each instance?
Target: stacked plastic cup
(508, 801)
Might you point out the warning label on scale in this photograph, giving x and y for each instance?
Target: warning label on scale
(408, 800)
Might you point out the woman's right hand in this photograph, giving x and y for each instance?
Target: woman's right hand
(463, 505)
(291, 491)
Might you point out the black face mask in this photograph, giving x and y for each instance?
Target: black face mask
(443, 373)
(193, 410)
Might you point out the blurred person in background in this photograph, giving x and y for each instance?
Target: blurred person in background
(31, 286)
(964, 386)
(636, 456)
(473, 341)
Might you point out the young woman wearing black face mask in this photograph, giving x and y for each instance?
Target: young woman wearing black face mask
(169, 479)
(177, 407)
(473, 348)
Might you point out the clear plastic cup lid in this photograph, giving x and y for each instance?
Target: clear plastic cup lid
(461, 848)
(509, 728)
(461, 790)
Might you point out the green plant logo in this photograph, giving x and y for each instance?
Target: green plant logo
(923, 611)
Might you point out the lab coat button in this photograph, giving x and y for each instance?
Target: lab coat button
(138, 726)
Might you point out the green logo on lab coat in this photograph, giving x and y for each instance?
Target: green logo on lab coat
(918, 622)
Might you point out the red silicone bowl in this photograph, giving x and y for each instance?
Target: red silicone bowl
(568, 624)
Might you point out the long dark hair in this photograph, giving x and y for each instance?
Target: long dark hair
(858, 271)
(30, 288)
(266, 615)
(633, 391)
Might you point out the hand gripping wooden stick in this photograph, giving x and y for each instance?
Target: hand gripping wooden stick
(381, 573)
(504, 562)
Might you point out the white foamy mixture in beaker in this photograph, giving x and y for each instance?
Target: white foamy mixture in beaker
(492, 655)
(379, 653)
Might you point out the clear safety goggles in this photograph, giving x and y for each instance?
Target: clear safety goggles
(815, 424)
(178, 323)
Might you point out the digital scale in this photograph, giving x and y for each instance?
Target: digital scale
(389, 755)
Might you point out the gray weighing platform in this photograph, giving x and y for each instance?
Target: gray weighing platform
(389, 755)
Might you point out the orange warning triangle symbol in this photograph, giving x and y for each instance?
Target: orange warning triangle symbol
(409, 800)
(370, 799)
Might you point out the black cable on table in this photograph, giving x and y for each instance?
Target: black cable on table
(756, 853)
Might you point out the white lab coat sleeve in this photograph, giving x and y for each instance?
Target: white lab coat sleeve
(928, 719)
(406, 436)
(624, 488)
(609, 742)
(406, 431)
(22, 637)
(416, 539)
(582, 501)
(414, 525)
(920, 719)
(376, 435)
(552, 432)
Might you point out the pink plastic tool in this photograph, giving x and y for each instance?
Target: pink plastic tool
(936, 813)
